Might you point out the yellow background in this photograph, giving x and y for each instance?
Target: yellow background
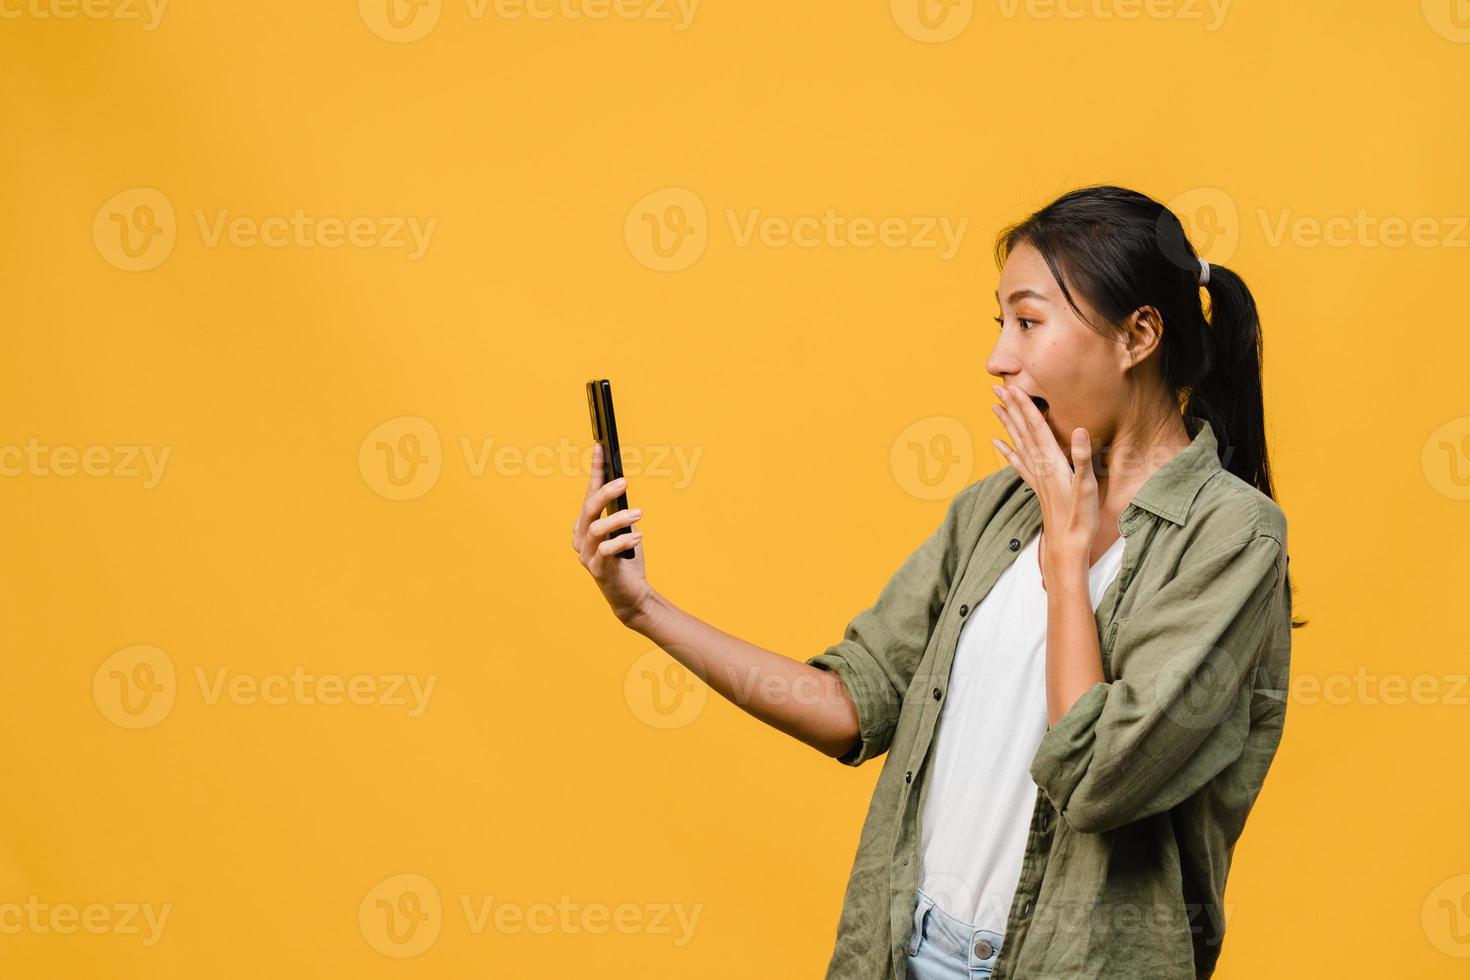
(544, 768)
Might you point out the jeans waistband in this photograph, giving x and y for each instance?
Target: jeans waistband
(976, 947)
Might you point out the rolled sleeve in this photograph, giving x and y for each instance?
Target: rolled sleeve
(877, 704)
(1178, 709)
(882, 645)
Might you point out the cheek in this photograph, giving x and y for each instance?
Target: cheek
(1064, 378)
(1075, 372)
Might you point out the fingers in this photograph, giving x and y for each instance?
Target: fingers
(594, 483)
(607, 525)
(598, 532)
(605, 551)
(1010, 417)
(1043, 445)
(594, 477)
(1020, 457)
(1028, 430)
(1016, 457)
(1084, 480)
(595, 503)
(622, 542)
(1010, 457)
(592, 535)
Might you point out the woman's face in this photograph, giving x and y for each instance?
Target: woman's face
(1044, 349)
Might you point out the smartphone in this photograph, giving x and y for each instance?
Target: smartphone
(605, 431)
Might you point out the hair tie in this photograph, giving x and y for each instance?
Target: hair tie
(1204, 272)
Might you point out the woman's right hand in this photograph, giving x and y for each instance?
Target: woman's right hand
(622, 580)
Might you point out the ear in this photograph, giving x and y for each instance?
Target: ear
(1143, 331)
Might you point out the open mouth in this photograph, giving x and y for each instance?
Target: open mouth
(1040, 403)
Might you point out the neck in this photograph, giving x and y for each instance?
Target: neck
(1140, 448)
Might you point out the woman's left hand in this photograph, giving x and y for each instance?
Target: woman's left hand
(1066, 488)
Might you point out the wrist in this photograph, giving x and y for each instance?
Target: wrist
(1068, 567)
(643, 616)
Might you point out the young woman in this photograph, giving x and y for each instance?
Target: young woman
(1079, 679)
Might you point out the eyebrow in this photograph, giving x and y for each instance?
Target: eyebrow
(1021, 294)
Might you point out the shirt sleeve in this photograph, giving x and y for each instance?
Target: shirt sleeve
(1178, 709)
(883, 644)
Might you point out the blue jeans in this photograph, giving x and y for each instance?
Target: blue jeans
(944, 948)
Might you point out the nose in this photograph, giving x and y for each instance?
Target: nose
(1001, 362)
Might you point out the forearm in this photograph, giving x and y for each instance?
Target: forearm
(1073, 656)
(809, 704)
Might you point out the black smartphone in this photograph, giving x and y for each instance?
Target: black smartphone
(605, 431)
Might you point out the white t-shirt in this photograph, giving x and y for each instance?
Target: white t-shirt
(979, 802)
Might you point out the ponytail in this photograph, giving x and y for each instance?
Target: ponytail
(1229, 394)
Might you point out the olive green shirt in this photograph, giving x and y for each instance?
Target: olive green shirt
(1144, 784)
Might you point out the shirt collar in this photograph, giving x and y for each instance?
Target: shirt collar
(1170, 490)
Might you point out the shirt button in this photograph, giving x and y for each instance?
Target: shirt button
(964, 611)
(938, 694)
(983, 949)
(908, 777)
(1015, 544)
(1026, 909)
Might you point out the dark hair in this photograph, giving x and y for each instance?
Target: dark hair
(1124, 251)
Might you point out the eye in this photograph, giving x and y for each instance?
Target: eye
(1025, 324)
